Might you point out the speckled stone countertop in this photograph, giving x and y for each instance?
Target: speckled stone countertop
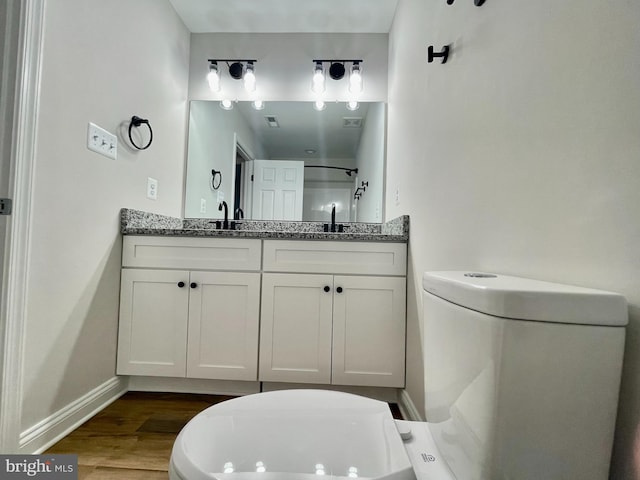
(136, 222)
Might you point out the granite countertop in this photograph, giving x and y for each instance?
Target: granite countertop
(136, 222)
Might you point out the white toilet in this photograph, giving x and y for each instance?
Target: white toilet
(521, 383)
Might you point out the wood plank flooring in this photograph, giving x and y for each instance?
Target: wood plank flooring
(132, 438)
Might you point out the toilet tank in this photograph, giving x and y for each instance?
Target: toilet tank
(521, 376)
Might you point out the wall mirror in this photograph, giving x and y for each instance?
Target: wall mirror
(286, 161)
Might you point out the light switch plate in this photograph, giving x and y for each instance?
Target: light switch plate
(101, 141)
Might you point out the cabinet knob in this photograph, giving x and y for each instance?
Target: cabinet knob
(194, 284)
(180, 284)
(339, 289)
(327, 288)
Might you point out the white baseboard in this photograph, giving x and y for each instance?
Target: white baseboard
(45, 433)
(408, 408)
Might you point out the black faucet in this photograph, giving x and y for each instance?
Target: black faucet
(225, 223)
(333, 217)
(238, 214)
(333, 227)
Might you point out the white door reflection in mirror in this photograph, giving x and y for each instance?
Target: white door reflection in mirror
(277, 189)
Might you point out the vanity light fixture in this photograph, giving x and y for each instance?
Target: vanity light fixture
(237, 70)
(352, 105)
(257, 104)
(319, 105)
(336, 72)
(226, 104)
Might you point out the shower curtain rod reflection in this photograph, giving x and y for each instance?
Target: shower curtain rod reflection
(348, 171)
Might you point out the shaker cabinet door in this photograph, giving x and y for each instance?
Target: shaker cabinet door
(152, 338)
(369, 331)
(224, 313)
(295, 332)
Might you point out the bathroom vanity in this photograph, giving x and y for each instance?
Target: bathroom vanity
(270, 302)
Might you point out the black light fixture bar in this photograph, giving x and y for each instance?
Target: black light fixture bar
(230, 60)
(333, 61)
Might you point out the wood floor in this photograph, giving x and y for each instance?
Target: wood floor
(132, 438)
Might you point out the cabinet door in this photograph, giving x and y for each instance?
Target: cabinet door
(295, 333)
(223, 325)
(152, 335)
(369, 331)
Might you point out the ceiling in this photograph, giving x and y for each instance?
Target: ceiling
(286, 16)
(302, 128)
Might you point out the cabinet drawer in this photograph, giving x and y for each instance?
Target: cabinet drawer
(191, 253)
(368, 258)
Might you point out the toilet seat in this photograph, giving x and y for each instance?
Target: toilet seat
(292, 434)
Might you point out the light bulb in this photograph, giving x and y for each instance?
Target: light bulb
(319, 105)
(250, 78)
(226, 104)
(352, 105)
(317, 84)
(213, 77)
(355, 79)
(257, 104)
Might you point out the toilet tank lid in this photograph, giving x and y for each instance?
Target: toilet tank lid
(526, 299)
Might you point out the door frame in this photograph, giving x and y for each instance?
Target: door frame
(13, 307)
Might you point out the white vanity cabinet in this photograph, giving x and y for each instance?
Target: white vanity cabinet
(333, 313)
(189, 307)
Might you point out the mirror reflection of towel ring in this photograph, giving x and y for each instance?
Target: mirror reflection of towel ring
(136, 122)
(216, 173)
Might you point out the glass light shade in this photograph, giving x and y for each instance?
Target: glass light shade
(213, 77)
(319, 105)
(249, 79)
(226, 104)
(257, 104)
(317, 84)
(355, 79)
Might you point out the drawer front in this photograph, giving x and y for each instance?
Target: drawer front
(239, 254)
(367, 258)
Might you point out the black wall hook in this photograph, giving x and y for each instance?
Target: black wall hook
(444, 54)
(136, 122)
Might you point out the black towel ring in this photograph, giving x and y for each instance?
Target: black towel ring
(216, 174)
(136, 122)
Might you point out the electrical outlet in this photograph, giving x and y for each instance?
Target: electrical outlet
(203, 205)
(101, 141)
(152, 188)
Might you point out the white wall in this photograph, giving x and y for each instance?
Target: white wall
(370, 163)
(284, 64)
(102, 62)
(521, 155)
(212, 136)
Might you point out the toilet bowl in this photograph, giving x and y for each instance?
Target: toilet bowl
(521, 382)
(292, 434)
